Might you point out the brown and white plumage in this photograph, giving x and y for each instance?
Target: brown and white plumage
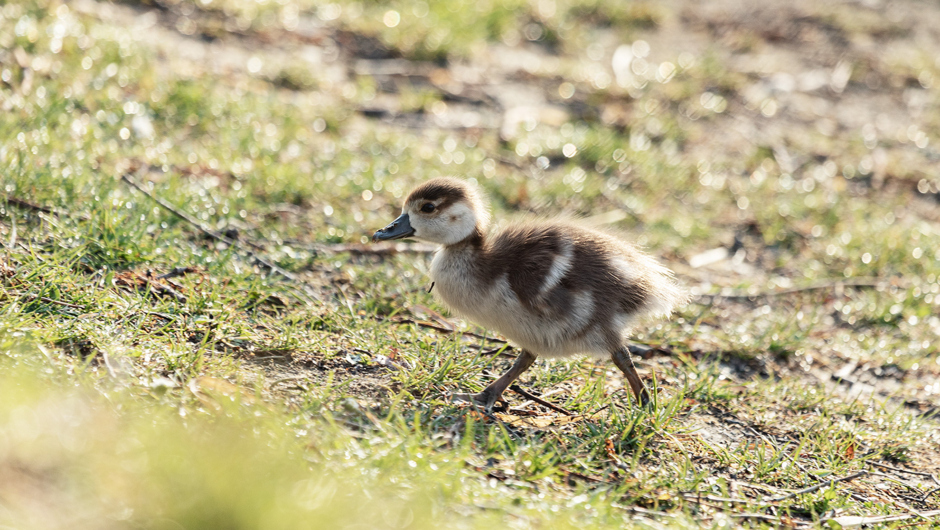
(553, 288)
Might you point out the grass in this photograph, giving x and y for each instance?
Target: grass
(224, 394)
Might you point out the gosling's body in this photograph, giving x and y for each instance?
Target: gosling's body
(553, 288)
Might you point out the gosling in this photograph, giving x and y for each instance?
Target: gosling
(554, 288)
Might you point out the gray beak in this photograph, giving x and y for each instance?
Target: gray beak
(399, 229)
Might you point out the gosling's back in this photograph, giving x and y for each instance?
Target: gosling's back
(554, 288)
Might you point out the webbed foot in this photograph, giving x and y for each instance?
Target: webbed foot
(494, 392)
(485, 400)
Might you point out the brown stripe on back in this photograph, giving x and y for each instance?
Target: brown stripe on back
(613, 294)
(526, 255)
(595, 272)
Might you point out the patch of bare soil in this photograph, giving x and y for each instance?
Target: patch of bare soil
(291, 375)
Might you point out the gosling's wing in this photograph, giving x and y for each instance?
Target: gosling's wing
(551, 266)
(535, 263)
(533, 258)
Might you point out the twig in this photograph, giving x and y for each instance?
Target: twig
(896, 480)
(518, 390)
(899, 470)
(644, 511)
(820, 286)
(211, 233)
(161, 315)
(61, 303)
(638, 349)
(37, 208)
(645, 351)
(909, 498)
(28, 205)
(162, 288)
(174, 211)
(166, 206)
(500, 351)
(445, 330)
(375, 249)
(910, 509)
(177, 271)
(929, 493)
(582, 476)
(817, 486)
(857, 520)
(49, 300)
(713, 498)
(760, 487)
(761, 516)
(371, 249)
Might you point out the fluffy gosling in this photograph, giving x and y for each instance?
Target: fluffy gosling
(553, 288)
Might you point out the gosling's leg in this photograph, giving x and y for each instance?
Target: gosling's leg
(623, 361)
(492, 393)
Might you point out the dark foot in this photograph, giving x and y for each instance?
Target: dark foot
(491, 394)
(485, 400)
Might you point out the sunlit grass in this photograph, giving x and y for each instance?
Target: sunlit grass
(248, 400)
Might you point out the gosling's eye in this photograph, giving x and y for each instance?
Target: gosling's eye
(427, 207)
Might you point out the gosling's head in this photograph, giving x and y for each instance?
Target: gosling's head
(443, 210)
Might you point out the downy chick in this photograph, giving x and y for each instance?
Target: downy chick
(553, 288)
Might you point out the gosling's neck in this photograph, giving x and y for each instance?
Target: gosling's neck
(473, 242)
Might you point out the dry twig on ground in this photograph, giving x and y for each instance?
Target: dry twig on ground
(215, 235)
